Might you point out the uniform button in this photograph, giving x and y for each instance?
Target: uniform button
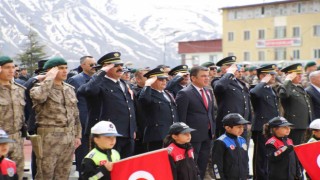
(173, 116)
(245, 102)
(127, 101)
(156, 124)
(129, 108)
(130, 115)
(171, 109)
(245, 108)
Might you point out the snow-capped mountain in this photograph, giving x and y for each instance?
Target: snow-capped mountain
(143, 31)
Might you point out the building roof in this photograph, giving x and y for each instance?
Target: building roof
(202, 46)
(260, 4)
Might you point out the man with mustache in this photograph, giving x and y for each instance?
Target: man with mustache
(116, 99)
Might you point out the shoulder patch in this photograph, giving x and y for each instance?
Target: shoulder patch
(17, 84)
(68, 85)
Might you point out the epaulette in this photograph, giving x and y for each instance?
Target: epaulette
(19, 85)
(69, 85)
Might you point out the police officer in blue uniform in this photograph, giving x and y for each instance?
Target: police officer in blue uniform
(180, 80)
(160, 108)
(117, 100)
(231, 94)
(266, 106)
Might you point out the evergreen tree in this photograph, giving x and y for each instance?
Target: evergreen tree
(32, 53)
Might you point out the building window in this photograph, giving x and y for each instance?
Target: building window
(280, 54)
(280, 31)
(316, 30)
(230, 36)
(316, 53)
(261, 56)
(261, 34)
(213, 58)
(262, 10)
(246, 56)
(299, 8)
(296, 32)
(296, 54)
(246, 35)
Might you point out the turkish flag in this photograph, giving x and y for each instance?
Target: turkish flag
(148, 166)
(309, 156)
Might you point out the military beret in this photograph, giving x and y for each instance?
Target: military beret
(159, 72)
(293, 68)
(234, 119)
(246, 69)
(177, 69)
(5, 60)
(279, 122)
(252, 68)
(267, 68)
(309, 64)
(227, 60)
(218, 70)
(112, 58)
(40, 66)
(53, 62)
(208, 64)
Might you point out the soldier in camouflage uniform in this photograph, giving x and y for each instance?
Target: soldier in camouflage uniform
(12, 102)
(57, 119)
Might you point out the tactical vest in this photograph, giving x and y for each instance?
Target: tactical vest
(277, 143)
(178, 153)
(100, 158)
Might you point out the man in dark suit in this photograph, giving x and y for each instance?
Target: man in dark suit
(116, 99)
(232, 94)
(265, 103)
(87, 64)
(195, 108)
(314, 92)
(296, 102)
(160, 109)
(180, 79)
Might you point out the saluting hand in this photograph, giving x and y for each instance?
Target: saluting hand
(40, 77)
(181, 74)
(267, 78)
(150, 81)
(232, 69)
(107, 67)
(52, 73)
(291, 76)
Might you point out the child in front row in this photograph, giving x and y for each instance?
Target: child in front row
(230, 153)
(8, 168)
(181, 152)
(282, 161)
(98, 163)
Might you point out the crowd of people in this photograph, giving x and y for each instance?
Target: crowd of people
(208, 113)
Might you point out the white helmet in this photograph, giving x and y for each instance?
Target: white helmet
(315, 124)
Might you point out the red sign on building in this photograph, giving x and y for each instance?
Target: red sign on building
(278, 42)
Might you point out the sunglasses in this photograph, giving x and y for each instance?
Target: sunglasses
(213, 68)
(91, 65)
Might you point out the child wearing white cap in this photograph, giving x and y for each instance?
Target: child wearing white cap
(8, 169)
(313, 133)
(98, 163)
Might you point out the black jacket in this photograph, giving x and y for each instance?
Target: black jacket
(229, 160)
(192, 111)
(282, 165)
(315, 98)
(174, 86)
(231, 98)
(159, 112)
(265, 104)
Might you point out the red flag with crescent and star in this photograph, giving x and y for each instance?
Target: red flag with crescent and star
(148, 166)
(309, 156)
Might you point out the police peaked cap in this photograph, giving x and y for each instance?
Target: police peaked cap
(112, 58)
(159, 72)
(177, 69)
(227, 60)
(293, 68)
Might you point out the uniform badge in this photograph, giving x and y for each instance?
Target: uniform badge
(299, 68)
(10, 172)
(232, 147)
(116, 54)
(184, 67)
(91, 155)
(244, 146)
(170, 149)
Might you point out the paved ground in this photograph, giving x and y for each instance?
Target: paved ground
(74, 174)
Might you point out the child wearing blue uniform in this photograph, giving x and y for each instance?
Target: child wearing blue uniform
(282, 161)
(98, 163)
(230, 153)
(181, 152)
